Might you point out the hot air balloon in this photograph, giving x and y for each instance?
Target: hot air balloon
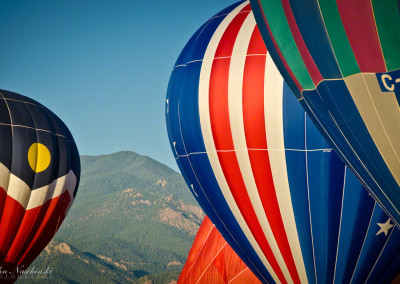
(39, 176)
(342, 60)
(212, 260)
(274, 188)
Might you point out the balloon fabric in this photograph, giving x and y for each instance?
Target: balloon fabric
(342, 61)
(39, 177)
(272, 185)
(212, 260)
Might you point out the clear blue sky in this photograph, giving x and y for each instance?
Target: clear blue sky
(101, 65)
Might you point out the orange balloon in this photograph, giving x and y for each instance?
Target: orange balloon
(212, 260)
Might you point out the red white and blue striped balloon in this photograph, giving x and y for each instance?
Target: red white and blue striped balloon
(261, 171)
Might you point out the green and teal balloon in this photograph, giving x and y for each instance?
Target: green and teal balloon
(342, 61)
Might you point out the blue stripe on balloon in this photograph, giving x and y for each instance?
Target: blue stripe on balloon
(189, 110)
(372, 246)
(391, 273)
(294, 135)
(198, 43)
(325, 171)
(240, 244)
(353, 129)
(186, 54)
(172, 118)
(311, 26)
(388, 265)
(356, 214)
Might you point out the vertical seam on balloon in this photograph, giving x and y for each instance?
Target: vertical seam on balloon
(377, 32)
(216, 213)
(11, 144)
(36, 141)
(273, 118)
(69, 155)
(20, 193)
(221, 220)
(48, 253)
(211, 205)
(56, 153)
(372, 193)
(362, 247)
(236, 114)
(183, 142)
(70, 176)
(308, 195)
(330, 42)
(348, 162)
(34, 104)
(327, 134)
(384, 129)
(210, 146)
(380, 254)
(361, 60)
(340, 224)
(9, 113)
(11, 161)
(219, 117)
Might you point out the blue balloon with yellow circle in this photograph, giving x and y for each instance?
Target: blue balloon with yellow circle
(39, 177)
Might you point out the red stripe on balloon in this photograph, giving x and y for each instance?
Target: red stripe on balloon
(256, 45)
(312, 68)
(282, 58)
(225, 50)
(3, 196)
(255, 132)
(247, 8)
(359, 24)
(52, 220)
(9, 225)
(220, 124)
(30, 224)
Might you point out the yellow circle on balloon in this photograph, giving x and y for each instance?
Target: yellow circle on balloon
(39, 157)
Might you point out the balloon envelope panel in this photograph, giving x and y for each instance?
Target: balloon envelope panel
(212, 260)
(342, 61)
(39, 176)
(264, 175)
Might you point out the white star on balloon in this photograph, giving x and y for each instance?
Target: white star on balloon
(385, 227)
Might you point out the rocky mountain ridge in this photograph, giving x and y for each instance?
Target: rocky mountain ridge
(133, 221)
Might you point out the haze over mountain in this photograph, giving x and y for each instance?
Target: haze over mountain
(133, 221)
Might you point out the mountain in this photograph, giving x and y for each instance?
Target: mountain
(133, 221)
